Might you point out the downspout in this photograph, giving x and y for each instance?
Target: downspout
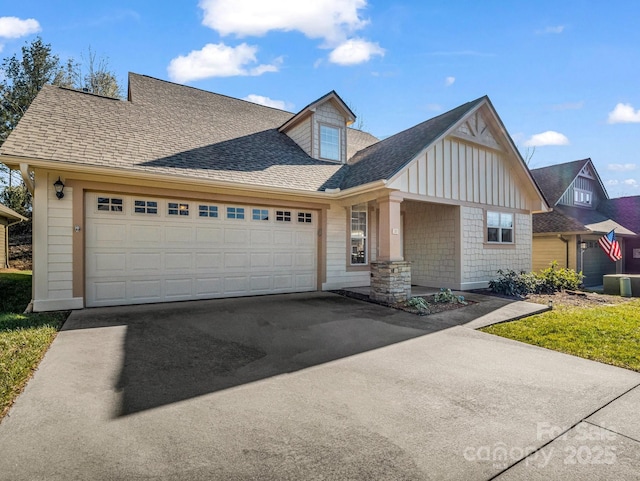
(24, 170)
(566, 248)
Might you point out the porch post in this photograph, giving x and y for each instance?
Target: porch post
(390, 274)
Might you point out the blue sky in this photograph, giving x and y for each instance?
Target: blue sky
(563, 76)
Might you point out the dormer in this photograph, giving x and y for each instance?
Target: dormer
(320, 129)
(586, 190)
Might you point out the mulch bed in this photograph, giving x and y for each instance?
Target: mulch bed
(565, 298)
(434, 307)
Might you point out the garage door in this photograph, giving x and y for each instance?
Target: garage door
(142, 250)
(596, 264)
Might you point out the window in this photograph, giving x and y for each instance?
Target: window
(329, 142)
(235, 212)
(145, 207)
(304, 217)
(359, 234)
(176, 208)
(500, 227)
(208, 211)
(283, 215)
(110, 204)
(260, 214)
(581, 197)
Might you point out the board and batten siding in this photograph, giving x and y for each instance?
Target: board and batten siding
(460, 171)
(53, 241)
(337, 275)
(480, 262)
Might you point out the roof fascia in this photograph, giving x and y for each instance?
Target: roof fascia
(309, 109)
(11, 214)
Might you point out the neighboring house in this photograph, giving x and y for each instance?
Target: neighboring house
(179, 193)
(8, 218)
(582, 213)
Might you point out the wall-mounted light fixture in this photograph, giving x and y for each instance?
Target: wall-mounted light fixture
(59, 186)
(583, 246)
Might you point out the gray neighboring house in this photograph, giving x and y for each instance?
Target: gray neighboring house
(8, 217)
(177, 193)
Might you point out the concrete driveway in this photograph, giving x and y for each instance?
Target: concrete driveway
(313, 386)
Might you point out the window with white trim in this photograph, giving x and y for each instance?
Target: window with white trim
(235, 213)
(582, 197)
(208, 211)
(305, 217)
(359, 234)
(145, 206)
(260, 214)
(177, 208)
(283, 216)
(111, 204)
(500, 227)
(329, 142)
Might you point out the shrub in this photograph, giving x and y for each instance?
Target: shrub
(445, 295)
(548, 280)
(419, 303)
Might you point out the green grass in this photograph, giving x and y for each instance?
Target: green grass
(24, 338)
(608, 334)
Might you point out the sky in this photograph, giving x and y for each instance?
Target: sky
(564, 76)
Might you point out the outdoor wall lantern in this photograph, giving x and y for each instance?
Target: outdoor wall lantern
(59, 186)
(583, 246)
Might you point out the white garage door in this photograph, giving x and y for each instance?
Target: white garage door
(141, 250)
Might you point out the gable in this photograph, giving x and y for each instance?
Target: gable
(475, 161)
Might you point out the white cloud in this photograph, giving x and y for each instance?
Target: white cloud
(549, 137)
(621, 167)
(551, 29)
(355, 51)
(434, 107)
(218, 60)
(266, 101)
(624, 114)
(13, 27)
(631, 182)
(612, 182)
(449, 81)
(332, 20)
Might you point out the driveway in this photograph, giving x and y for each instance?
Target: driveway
(313, 386)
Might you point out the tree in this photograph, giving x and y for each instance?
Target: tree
(99, 79)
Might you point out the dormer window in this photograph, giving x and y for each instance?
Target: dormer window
(329, 142)
(582, 197)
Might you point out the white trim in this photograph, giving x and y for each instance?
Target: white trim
(466, 286)
(41, 305)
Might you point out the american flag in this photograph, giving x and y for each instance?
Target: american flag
(610, 246)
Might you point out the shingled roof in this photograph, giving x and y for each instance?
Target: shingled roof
(554, 180)
(577, 219)
(625, 210)
(385, 158)
(168, 128)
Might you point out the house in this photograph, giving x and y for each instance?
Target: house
(178, 193)
(8, 218)
(582, 213)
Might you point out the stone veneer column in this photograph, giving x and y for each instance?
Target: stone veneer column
(390, 281)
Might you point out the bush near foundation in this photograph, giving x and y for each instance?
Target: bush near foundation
(546, 281)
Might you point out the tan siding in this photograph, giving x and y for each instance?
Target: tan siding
(3, 244)
(301, 135)
(456, 170)
(337, 274)
(329, 115)
(480, 262)
(59, 244)
(550, 248)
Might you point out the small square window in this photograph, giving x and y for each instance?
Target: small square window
(235, 212)
(260, 214)
(145, 207)
(176, 208)
(283, 215)
(304, 217)
(208, 211)
(110, 204)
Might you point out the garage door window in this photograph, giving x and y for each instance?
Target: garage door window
(283, 216)
(304, 217)
(145, 207)
(235, 212)
(176, 208)
(260, 214)
(110, 204)
(208, 211)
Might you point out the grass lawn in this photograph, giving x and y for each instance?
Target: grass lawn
(24, 338)
(609, 334)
